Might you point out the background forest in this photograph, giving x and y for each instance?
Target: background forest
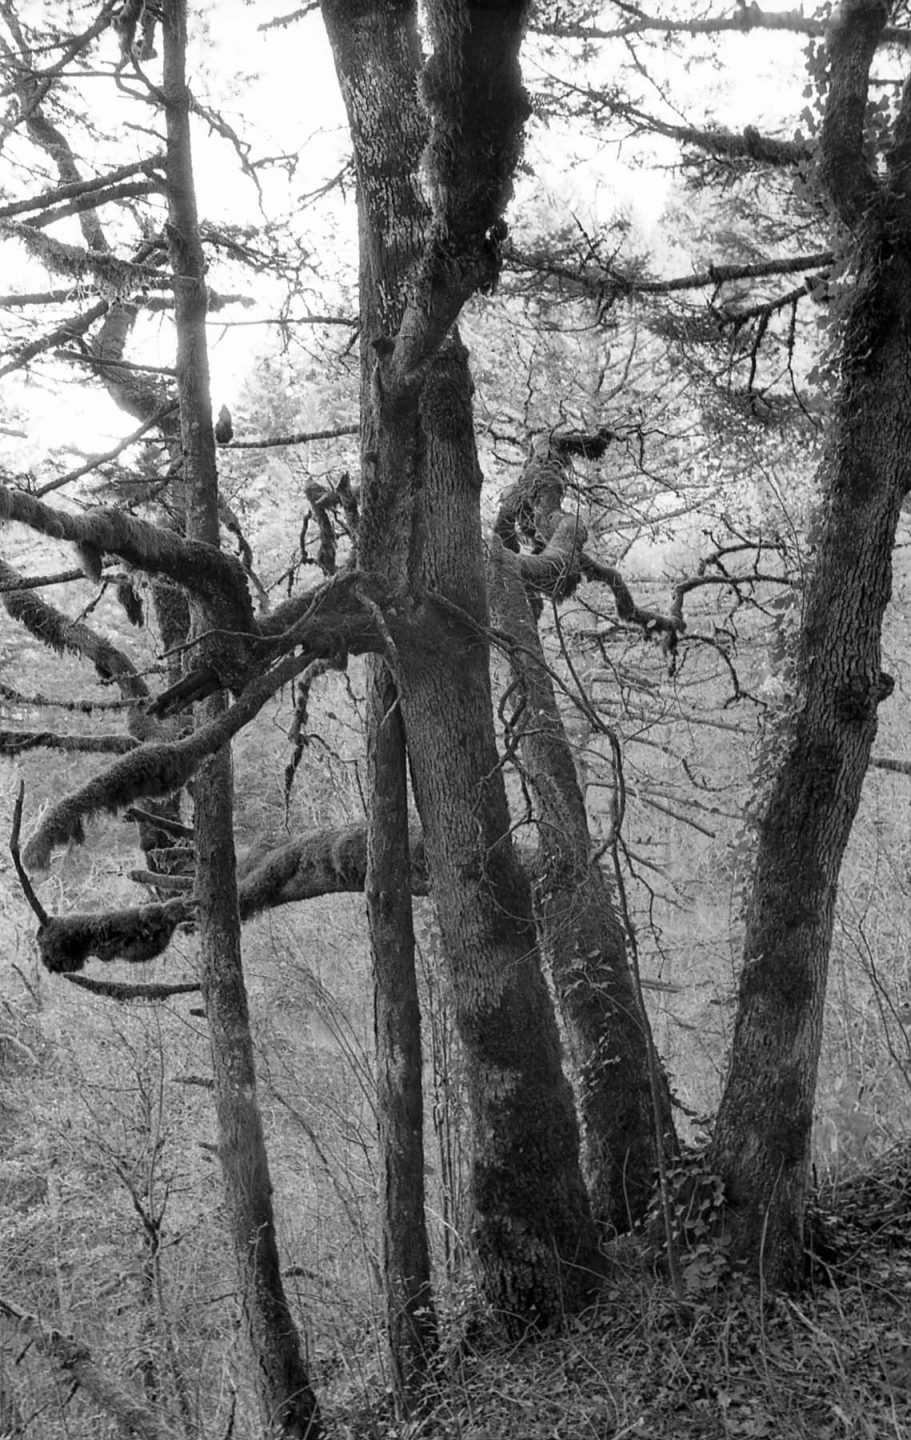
(454, 774)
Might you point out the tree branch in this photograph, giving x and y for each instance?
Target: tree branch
(74, 1362)
(56, 630)
(207, 572)
(160, 768)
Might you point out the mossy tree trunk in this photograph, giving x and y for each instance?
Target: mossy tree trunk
(420, 545)
(762, 1136)
(582, 936)
(410, 1315)
(279, 1377)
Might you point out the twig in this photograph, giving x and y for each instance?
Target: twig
(24, 881)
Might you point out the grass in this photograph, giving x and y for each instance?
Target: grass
(832, 1362)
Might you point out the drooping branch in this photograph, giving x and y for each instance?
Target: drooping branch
(104, 458)
(123, 991)
(34, 903)
(112, 275)
(56, 630)
(160, 768)
(65, 331)
(653, 622)
(136, 935)
(319, 862)
(199, 568)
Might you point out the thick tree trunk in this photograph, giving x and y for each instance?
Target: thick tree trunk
(410, 1316)
(279, 1377)
(582, 936)
(762, 1135)
(532, 1230)
(420, 544)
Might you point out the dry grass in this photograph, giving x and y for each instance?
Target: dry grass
(833, 1362)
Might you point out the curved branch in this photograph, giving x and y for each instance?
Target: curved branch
(160, 768)
(123, 991)
(56, 630)
(214, 576)
(651, 621)
(136, 935)
(34, 903)
(320, 862)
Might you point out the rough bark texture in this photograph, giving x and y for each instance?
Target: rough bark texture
(421, 545)
(582, 935)
(410, 1316)
(533, 1234)
(286, 1399)
(762, 1137)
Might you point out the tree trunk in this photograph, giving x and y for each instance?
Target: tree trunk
(532, 1231)
(762, 1135)
(420, 544)
(583, 939)
(410, 1316)
(280, 1380)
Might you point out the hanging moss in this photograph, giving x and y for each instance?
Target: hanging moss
(65, 942)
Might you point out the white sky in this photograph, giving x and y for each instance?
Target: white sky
(288, 100)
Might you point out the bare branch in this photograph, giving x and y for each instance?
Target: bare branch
(95, 460)
(78, 188)
(302, 438)
(747, 18)
(599, 281)
(34, 903)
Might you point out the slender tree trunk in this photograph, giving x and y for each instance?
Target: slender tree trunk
(583, 939)
(410, 1315)
(762, 1135)
(280, 1379)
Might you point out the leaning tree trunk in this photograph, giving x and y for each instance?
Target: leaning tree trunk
(762, 1135)
(280, 1380)
(606, 1026)
(420, 547)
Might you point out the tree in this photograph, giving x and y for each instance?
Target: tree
(762, 1134)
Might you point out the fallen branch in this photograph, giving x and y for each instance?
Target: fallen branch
(74, 1362)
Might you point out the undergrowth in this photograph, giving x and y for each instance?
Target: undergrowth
(832, 1362)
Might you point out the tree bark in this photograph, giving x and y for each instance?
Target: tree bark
(410, 1314)
(762, 1134)
(280, 1380)
(421, 544)
(583, 938)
